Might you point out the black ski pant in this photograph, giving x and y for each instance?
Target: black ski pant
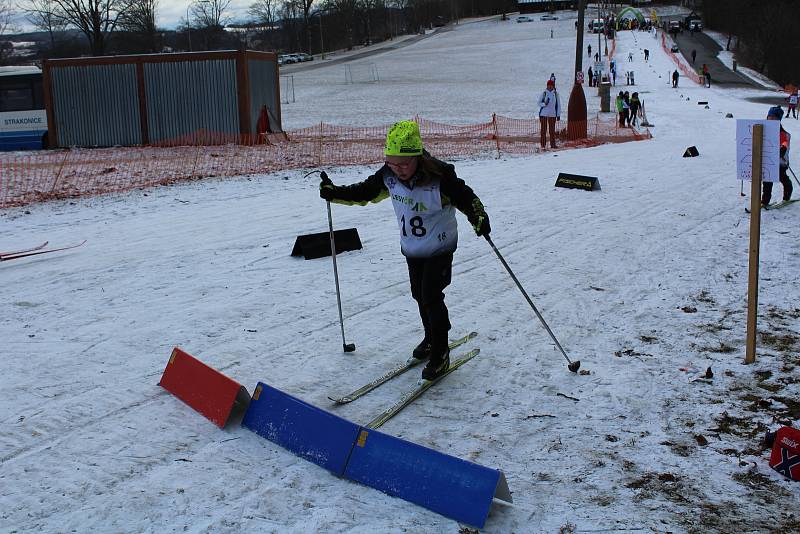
(766, 195)
(429, 277)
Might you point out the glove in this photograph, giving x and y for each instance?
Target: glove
(327, 190)
(485, 228)
(480, 220)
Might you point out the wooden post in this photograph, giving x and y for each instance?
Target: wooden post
(755, 240)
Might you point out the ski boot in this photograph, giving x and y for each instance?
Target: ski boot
(422, 351)
(438, 364)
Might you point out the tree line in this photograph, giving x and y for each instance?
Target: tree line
(762, 33)
(108, 27)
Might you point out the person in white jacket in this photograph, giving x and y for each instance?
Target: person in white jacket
(549, 113)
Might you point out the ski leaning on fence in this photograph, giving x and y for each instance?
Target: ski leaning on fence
(6, 256)
(397, 371)
(776, 205)
(412, 395)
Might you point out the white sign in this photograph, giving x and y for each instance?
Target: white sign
(770, 152)
(23, 121)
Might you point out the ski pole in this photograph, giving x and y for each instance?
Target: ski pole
(573, 366)
(793, 174)
(347, 347)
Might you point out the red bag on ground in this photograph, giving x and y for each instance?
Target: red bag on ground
(785, 458)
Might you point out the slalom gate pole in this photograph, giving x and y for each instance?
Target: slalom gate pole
(572, 366)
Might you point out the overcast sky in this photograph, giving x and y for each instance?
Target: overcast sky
(173, 12)
(169, 14)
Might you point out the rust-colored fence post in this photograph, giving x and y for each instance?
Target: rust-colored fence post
(496, 133)
(60, 169)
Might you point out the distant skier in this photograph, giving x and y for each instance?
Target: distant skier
(776, 114)
(630, 57)
(675, 78)
(646, 54)
(706, 75)
(590, 76)
(549, 113)
(694, 56)
(792, 109)
(425, 193)
(589, 50)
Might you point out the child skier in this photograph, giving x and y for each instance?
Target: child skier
(424, 193)
(776, 114)
(792, 110)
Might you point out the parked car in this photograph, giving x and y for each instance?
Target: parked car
(674, 27)
(696, 25)
(285, 59)
(548, 17)
(303, 57)
(524, 18)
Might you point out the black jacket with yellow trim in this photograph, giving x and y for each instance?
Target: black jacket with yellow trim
(453, 189)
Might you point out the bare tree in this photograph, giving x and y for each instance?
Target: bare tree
(140, 19)
(44, 15)
(6, 15)
(96, 19)
(211, 19)
(264, 12)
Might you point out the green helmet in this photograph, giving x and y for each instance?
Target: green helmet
(403, 140)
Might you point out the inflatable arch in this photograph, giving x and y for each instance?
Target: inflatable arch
(630, 10)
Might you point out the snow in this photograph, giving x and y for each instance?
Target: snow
(644, 282)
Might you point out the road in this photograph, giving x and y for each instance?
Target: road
(707, 50)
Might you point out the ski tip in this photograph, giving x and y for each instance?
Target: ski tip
(340, 400)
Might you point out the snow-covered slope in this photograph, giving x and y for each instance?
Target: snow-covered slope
(644, 282)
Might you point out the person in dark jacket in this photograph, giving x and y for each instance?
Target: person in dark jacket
(675, 78)
(425, 193)
(635, 107)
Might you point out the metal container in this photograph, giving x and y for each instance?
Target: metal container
(162, 99)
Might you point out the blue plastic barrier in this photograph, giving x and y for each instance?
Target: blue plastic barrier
(445, 484)
(316, 435)
(449, 486)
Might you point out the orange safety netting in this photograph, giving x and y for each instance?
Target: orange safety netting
(691, 74)
(37, 176)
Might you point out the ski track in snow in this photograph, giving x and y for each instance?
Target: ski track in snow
(90, 442)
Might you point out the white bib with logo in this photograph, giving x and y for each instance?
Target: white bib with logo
(426, 228)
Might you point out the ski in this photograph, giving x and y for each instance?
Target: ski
(782, 204)
(23, 251)
(397, 371)
(776, 205)
(421, 388)
(36, 252)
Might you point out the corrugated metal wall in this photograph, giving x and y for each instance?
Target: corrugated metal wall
(96, 105)
(263, 92)
(183, 97)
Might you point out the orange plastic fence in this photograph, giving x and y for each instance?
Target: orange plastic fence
(32, 177)
(691, 74)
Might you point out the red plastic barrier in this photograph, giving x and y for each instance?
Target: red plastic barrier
(785, 457)
(203, 388)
